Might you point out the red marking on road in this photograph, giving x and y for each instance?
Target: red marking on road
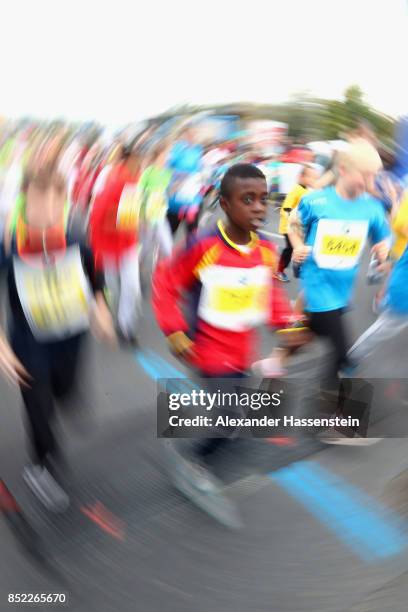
(7, 501)
(107, 521)
(393, 390)
(282, 441)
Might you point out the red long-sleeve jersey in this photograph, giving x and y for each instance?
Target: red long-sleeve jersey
(107, 238)
(229, 292)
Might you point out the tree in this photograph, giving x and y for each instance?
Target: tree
(311, 118)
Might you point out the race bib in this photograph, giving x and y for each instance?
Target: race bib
(239, 299)
(238, 304)
(339, 244)
(55, 298)
(129, 209)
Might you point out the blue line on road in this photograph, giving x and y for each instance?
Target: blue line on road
(170, 371)
(157, 368)
(165, 365)
(148, 366)
(359, 521)
(356, 519)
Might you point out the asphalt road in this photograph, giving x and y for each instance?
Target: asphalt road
(325, 527)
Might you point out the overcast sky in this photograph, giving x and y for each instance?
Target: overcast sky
(118, 61)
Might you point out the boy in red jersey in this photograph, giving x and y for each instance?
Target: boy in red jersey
(113, 235)
(230, 275)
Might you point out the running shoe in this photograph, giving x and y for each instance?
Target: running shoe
(332, 436)
(46, 488)
(281, 276)
(201, 487)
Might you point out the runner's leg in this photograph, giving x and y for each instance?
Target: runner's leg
(130, 293)
(330, 324)
(386, 327)
(286, 255)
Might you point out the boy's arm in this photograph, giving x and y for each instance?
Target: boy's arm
(10, 366)
(329, 175)
(290, 325)
(101, 319)
(325, 180)
(172, 277)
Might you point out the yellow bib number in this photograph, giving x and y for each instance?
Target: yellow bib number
(340, 245)
(54, 300)
(238, 299)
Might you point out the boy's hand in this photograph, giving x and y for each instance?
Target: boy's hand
(300, 253)
(381, 249)
(12, 369)
(294, 337)
(180, 345)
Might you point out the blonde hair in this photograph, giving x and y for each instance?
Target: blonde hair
(361, 156)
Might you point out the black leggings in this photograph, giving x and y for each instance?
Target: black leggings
(209, 446)
(54, 368)
(286, 255)
(330, 325)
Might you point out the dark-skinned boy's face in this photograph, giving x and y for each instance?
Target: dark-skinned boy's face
(246, 203)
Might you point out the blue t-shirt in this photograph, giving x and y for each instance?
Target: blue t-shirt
(396, 299)
(185, 157)
(185, 160)
(337, 230)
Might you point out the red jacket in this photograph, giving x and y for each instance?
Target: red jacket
(231, 293)
(106, 239)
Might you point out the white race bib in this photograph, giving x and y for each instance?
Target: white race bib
(236, 299)
(55, 298)
(339, 244)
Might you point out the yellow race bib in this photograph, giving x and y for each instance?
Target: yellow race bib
(239, 299)
(55, 299)
(340, 245)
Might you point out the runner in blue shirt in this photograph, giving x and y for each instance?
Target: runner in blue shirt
(185, 160)
(328, 231)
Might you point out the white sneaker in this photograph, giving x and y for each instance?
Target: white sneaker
(46, 488)
(356, 441)
(332, 436)
(193, 473)
(200, 477)
(201, 487)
